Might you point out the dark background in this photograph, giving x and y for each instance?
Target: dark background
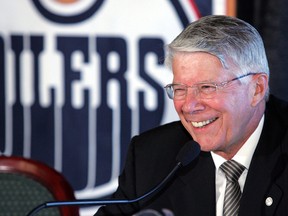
(270, 18)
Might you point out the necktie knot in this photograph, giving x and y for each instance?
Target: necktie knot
(232, 170)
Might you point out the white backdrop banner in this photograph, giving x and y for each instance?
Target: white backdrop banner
(79, 78)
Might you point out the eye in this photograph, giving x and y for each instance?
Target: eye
(207, 88)
(179, 90)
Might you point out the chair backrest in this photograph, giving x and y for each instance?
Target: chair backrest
(26, 183)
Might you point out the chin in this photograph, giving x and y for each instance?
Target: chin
(206, 146)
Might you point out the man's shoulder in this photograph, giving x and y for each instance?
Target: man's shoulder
(171, 126)
(166, 131)
(171, 135)
(277, 108)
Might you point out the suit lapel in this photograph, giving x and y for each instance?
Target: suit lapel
(264, 167)
(196, 188)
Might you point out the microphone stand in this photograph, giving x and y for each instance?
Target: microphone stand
(185, 156)
(106, 202)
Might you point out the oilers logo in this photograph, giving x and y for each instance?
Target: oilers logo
(78, 79)
(67, 11)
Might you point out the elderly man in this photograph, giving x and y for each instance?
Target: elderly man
(221, 94)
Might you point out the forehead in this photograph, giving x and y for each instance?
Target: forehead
(197, 67)
(197, 58)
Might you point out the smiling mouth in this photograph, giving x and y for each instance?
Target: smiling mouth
(203, 123)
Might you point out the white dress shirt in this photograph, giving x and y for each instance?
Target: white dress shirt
(244, 157)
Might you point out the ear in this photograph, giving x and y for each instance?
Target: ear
(260, 86)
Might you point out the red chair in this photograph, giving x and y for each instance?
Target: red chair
(26, 183)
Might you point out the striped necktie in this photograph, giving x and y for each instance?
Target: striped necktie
(233, 171)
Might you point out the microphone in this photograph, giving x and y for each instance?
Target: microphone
(186, 155)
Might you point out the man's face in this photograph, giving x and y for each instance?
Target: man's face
(224, 122)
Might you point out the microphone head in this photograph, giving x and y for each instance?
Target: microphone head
(188, 152)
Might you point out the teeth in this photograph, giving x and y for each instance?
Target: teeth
(203, 123)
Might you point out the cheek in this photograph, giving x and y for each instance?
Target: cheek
(178, 106)
(234, 114)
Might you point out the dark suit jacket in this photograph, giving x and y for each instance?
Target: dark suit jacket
(192, 192)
